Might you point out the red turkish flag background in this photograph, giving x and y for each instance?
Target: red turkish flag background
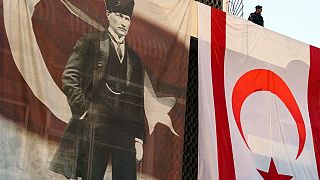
(30, 126)
(258, 101)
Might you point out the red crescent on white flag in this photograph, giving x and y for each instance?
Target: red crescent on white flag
(266, 80)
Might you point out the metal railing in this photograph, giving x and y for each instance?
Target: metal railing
(213, 3)
(235, 7)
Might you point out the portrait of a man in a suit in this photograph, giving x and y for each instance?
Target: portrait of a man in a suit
(104, 83)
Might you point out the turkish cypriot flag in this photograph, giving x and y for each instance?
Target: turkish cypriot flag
(258, 101)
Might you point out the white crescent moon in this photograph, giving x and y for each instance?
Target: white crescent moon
(28, 59)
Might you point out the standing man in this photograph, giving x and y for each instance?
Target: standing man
(104, 82)
(256, 16)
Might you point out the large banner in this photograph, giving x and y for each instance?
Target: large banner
(93, 88)
(258, 102)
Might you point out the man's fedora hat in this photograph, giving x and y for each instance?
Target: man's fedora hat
(121, 6)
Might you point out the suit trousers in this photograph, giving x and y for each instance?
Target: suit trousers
(103, 143)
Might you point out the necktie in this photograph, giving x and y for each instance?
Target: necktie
(119, 50)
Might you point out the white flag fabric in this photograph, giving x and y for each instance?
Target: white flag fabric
(42, 137)
(258, 101)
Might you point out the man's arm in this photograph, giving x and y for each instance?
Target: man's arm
(140, 138)
(250, 18)
(72, 77)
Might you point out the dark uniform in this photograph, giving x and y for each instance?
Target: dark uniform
(256, 18)
(111, 94)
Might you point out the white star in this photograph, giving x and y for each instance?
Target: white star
(157, 109)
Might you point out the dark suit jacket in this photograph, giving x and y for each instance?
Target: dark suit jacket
(256, 18)
(83, 71)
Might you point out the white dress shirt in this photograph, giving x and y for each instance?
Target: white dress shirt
(115, 40)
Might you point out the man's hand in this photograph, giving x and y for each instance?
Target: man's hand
(139, 149)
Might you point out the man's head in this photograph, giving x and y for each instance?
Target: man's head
(258, 9)
(119, 15)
